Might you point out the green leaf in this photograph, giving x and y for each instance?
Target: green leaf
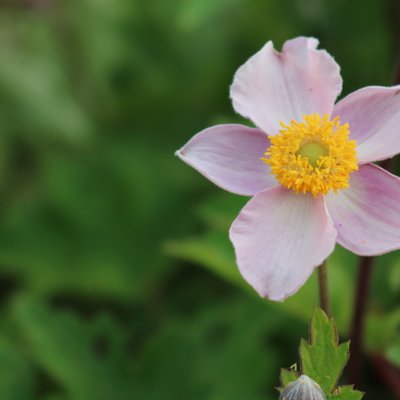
(196, 12)
(288, 376)
(63, 347)
(393, 354)
(16, 375)
(382, 330)
(323, 359)
(346, 393)
(214, 252)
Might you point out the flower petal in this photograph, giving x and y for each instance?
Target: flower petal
(272, 87)
(279, 238)
(373, 114)
(367, 214)
(230, 156)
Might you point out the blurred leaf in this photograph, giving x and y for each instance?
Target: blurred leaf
(196, 12)
(35, 89)
(213, 252)
(382, 330)
(393, 354)
(219, 212)
(62, 346)
(16, 376)
(84, 232)
(55, 397)
(235, 348)
(393, 276)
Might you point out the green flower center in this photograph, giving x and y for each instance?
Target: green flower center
(312, 152)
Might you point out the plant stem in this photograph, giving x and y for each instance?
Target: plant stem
(323, 288)
(365, 270)
(388, 373)
(360, 308)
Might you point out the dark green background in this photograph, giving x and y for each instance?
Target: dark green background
(117, 279)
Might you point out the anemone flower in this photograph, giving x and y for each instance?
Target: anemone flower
(307, 165)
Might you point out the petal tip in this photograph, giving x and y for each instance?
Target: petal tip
(179, 153)
(311, 42)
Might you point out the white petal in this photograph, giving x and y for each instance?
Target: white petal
(367, 214)
(272, 87)
(373, 114)
(230, 156)
(279, 238)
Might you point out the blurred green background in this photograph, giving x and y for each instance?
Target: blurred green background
(117, 279)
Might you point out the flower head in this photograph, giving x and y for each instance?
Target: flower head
(314, 156)
(307, 165)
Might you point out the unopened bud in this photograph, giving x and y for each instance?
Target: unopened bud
(303, 388)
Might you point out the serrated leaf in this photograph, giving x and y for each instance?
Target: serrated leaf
(346, 393)
(288, 376)
(323, 359)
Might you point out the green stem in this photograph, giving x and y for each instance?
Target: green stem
(323, 288)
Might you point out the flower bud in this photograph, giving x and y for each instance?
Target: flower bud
(304, 388)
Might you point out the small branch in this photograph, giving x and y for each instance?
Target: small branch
(323, 288)
(388, 373)
(360, 308)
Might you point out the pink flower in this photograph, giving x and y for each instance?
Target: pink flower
(307, 164)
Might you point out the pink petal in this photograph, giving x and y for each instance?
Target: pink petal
(367, 214)
(230, 156)
(374, 117)
(279, 238)
(272, 87)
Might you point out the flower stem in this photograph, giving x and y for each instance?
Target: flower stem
(388, 373)
(365, 270)
(360, 308)
(323, 288)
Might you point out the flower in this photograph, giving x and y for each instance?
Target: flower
(307, 165)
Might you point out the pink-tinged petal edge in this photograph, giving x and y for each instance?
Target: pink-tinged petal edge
(272, 87)
(373, 114)
(279, 239)
(230, 156)
(367, 214)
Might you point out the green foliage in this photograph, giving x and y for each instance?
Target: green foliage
(63, 348)
(393, 354)
(102, 228)
(382, 330)
(234, 349)
(346, 393)
(323, 359)
(16, 375)
(214, 252)
(288, 376)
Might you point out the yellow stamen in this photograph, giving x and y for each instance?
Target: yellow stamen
(314, 156)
